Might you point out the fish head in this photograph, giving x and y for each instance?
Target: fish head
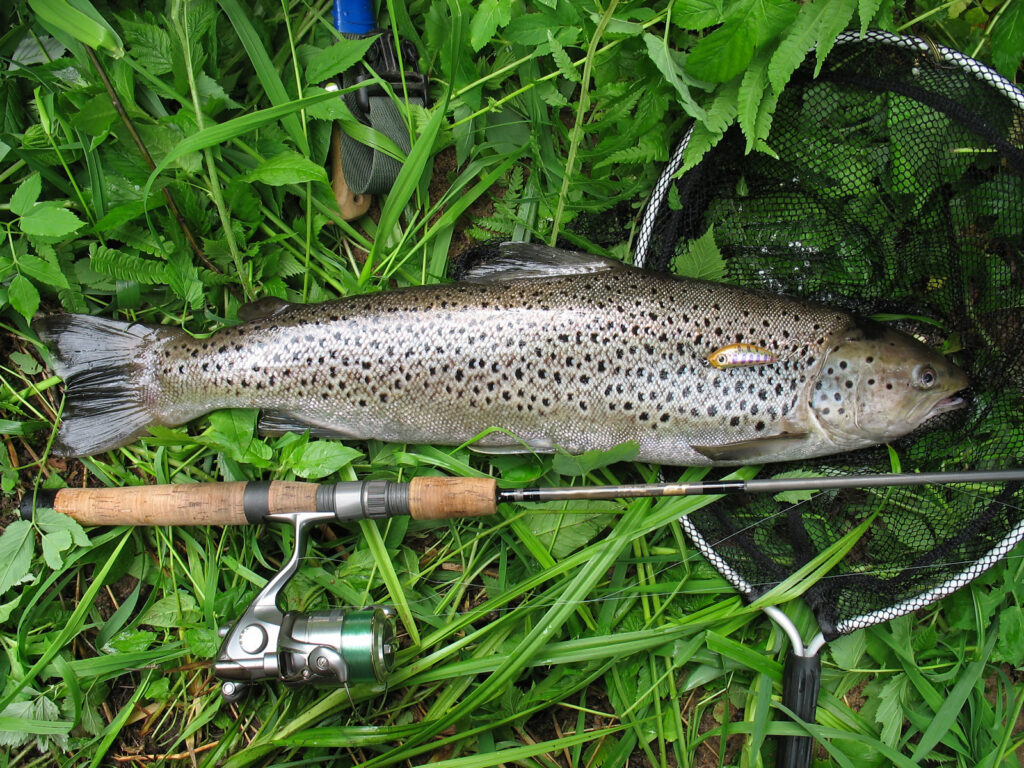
(877, 384)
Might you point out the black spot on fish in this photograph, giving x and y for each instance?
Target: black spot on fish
(734, 421)
(759, 426)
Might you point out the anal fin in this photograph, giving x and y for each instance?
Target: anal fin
(282, 422)
(759, 450)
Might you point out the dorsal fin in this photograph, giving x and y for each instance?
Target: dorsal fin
(261, 309)
(518, 261)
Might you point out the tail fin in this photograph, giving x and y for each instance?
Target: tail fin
(101, 362)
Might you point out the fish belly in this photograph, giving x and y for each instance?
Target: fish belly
(576, 362)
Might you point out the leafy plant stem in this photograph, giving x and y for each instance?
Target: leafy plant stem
(13, 169)
(992, 21)
(305, 132)
(927, 14)
(211, 166)
(581, 115)
(172, 206)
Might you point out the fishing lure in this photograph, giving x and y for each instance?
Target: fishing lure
(741, 355)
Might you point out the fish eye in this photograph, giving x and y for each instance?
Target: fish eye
(925, 377)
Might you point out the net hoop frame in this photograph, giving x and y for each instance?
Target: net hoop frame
(657, 200)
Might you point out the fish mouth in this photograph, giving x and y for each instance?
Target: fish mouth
(946, 404)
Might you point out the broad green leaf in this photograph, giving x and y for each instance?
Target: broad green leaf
(702, 260)
(175, 610)
(50, 220)
(51, 522)
(564, 533)
(26, 194)
(42, 271)
(727, 51)
(697, 14)
(6, 609)
(1007, 39)
(1010, 648)
(23, 296)
(574, 466)
(15, 554)
(323, 457)
(53, 544)
(202, 642)
(287, 168)
(132, 640)
(338, 58)
(489, 16)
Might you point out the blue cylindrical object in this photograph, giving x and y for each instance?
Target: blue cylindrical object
(354, 17)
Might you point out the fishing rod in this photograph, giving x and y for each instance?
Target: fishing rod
(338, 647)
(423, 498)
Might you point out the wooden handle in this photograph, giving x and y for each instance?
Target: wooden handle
(183, 504)
(439, 498)
(351, 204)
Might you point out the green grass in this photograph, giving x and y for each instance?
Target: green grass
(584, 637)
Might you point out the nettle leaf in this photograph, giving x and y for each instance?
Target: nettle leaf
(725, 53)
(49, 220)
(696, 14)
(339, 57)
(489, 16)
(183, 279)
(322, 458)
(172, 611)
(23, 296)
(149, 45)
(702, 260)
(287, 168)
(15, 554)
(26, 194)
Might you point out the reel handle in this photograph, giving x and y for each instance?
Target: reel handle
(248, 503)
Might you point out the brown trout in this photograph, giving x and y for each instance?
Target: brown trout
(555, 349)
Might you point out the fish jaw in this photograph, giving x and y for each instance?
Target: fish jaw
(879, 384)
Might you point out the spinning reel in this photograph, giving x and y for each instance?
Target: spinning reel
(323, 648)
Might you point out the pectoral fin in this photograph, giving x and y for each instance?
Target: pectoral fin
(759, 450)
(280, 422)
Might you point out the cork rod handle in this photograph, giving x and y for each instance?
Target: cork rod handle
(182, 504)
(444, 498)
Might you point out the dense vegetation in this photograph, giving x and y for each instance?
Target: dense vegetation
(164, 161)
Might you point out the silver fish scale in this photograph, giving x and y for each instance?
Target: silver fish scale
(578, 362)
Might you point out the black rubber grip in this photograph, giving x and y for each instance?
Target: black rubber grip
(256, 502)
(801, 680)
(43, 498)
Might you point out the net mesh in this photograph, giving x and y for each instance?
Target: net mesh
(898, 192)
